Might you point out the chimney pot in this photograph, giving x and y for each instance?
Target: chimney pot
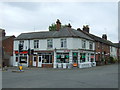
(86, 28)
(69, 25)
(58, 24)
(78, 29)
(104, 36)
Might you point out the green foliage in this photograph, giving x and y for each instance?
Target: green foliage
(53, 26)
(112, 60)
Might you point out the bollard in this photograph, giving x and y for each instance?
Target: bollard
(20, 67)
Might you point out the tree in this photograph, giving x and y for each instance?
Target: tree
(53, 26)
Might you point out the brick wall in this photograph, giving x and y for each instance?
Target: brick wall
(8, 45)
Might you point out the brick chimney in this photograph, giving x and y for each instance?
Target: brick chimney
(78, 29)
(104, 36)
(69, 25)
(58, 24)
(86, 28)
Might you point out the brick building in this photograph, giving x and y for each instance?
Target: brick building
(118, 50)
(102, 46)
(7, 47)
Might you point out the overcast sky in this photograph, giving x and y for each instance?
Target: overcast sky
(19, 17)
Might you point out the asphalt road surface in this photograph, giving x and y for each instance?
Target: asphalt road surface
(96, 77)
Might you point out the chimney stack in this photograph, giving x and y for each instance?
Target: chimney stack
(86, 28)
(104, 36)
(69, 25)
(78, 29)
(58, 24)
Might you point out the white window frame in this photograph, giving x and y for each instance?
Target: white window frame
(21, 42)
(83, 43)
(36, 44)
(63, 43)
(50, 43)
(91, 47)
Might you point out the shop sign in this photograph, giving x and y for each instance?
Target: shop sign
(66, 50)
(83, 56)
(67, 56)
(58, 56)
(16, 52)
(74, 54)
(23, 52)
(92, 56)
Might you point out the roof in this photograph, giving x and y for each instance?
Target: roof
(64, 32)
(99, 39)
(6, 37)
(117, 45)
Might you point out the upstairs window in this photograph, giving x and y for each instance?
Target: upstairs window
(91, 45)
(36, 43)
(50, 43)
(63, 43)
(111, 49)
(21, 42)
(83, 44)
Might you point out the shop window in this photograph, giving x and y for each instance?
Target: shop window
(63, 43)
(62, 57)
(50, 43)
(23, 59)
(36, 43)
(47, 58)
(82, 57)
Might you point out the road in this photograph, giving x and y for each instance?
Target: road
(96, 77)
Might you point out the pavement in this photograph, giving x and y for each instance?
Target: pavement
(96, 77)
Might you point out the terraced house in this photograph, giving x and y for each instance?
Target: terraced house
(62, 48)
(104, 48)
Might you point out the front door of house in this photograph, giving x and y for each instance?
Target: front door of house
(39, 61)
(35, 61)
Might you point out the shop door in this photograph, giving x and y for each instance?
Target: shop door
(34, 61)
(75, 59)
(39, 61)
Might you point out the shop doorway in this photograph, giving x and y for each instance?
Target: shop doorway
(75, 59)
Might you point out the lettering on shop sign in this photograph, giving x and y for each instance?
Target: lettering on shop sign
(23, 52)
(66, 50)
(92, 56)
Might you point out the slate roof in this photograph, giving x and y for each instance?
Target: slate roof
(99, 39)
(64, 32)
(117, 45)
(6, 37)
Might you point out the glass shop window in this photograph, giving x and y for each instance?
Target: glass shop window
(82, 57)
(47, 58)
(62, 58)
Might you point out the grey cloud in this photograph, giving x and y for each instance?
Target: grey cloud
(25, 16)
